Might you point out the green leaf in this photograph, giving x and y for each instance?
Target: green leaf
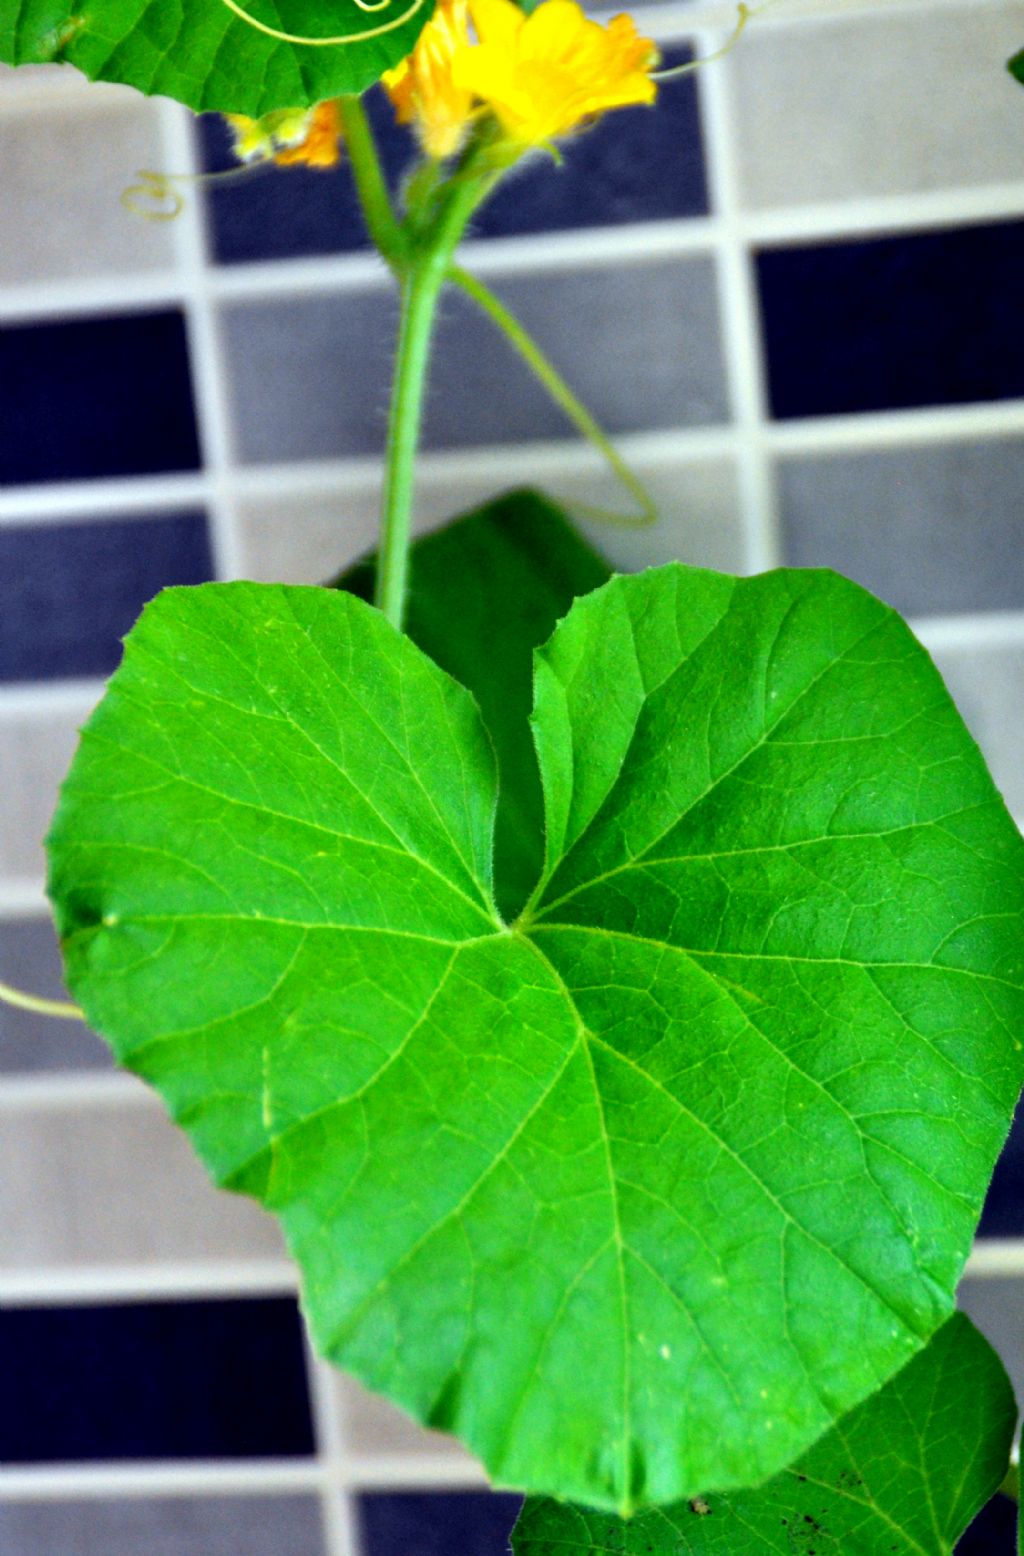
(641, 1193)
(905, 1472)
(1016, 67)
(527, 565)
(204, 55)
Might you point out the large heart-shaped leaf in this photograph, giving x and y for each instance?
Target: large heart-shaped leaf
(640, 1193)
(903, 1473)
(206, 56)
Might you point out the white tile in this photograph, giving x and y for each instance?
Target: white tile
(64, 173)
(116, 1184)
(877, 104)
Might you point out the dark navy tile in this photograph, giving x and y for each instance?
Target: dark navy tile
(1003, 1215)
(70, 592)
(993, 1532)
(95, 397)
(159, 1380)
(890, 323)
(638, 164)
(472, 1523)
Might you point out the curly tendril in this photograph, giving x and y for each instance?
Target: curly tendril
(743, 15)
(339, 39)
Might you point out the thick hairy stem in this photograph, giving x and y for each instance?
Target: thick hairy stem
(420, 289)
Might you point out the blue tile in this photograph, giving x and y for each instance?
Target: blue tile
(295, 212)
(471, 1523)
(890, 323)
(1003, 1215)
(638, 164)
(158, 1380)
(95, 397)
(69, 592)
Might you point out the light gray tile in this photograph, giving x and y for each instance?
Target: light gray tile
(64, 174)
(987, 685)
(835, 108)
(996, 1305)
(306, 540)
(164, 1526)
(30, 960)
(933, 530)
(639, 344)
(372, 1426)
(35, 754)
(113, 1184)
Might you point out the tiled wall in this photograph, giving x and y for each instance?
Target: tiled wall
(794, 290)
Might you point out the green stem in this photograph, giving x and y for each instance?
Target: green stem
(420, 290)
(423, 275)
(61, 1008)
(563, 396)
(381, 223)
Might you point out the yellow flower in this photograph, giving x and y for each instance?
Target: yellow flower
(321, 144)
(546, 74)
(422, 89)
(290, 135)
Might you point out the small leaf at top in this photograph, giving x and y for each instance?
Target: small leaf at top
(902, 1475)
(1015, 66)
(640, 1193)
(203, 54)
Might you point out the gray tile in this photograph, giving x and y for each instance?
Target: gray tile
(306, 540)
(29, 1044)
(35, 753)
(64, 174)
(116, 1183)
(919, 110)
(164, 1526)
(639, 344)
(372, 1427)
(996, 1305)
(987, 684)
(933, 530)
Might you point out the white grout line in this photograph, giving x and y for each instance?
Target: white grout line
(412, 1472)
(137, 496)
(20, 899)
(631, 243)
(740, 328)
(209, 375)
(42, 699)
(995, 629)
(67, 1092)
(337, 1511)
(251, 1477)
(994, 1256)
(112, 1284)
